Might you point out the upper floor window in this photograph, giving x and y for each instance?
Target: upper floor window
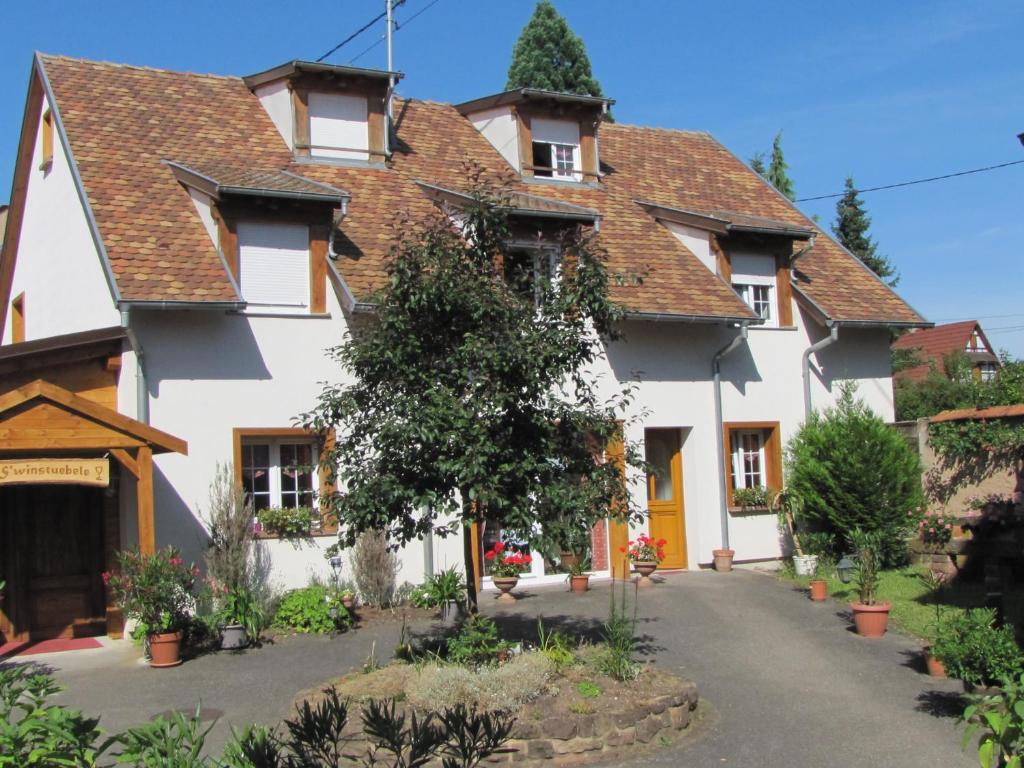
(987, 371)
(754, 279)
(531, 271)
(274, 265)
(759, 298)
(339, 126)
(556, 149)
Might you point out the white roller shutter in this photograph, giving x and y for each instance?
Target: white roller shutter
(339, 124)
(274, 265)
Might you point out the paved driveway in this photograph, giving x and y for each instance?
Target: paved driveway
(790, 684)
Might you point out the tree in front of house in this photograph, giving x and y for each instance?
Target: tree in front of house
(851, 229)
(470, 400)
(548, 55)
(776, 172)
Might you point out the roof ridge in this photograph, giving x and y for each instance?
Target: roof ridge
(658, 129)
(139, 67)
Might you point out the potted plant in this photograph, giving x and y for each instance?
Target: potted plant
(242, 619)
(287, 522)
(348, 598)
(446, 589)
(579, 578)
(976, 651)
(934, 581)
(870, 617)
(645, 553)
(157, 591)
(818, 585)
(788, 505)
(506, 565)
(757, 497)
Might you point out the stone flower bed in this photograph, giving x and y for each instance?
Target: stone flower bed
(576, 717)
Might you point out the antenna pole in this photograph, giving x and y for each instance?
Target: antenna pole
(391, 85)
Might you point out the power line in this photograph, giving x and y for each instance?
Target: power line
(1005, 329)
(360, 31)
(398, 26)
(977, 317)
(915, 181)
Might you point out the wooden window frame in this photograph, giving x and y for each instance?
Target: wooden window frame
(772, 454)
(325, 443)
(47, 129)
(18, 318)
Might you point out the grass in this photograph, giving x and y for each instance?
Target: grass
(913, 603)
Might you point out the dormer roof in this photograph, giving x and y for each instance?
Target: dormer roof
(216, 179)
(536, 96)
(296, 67)
(519, 204)
(727, 222)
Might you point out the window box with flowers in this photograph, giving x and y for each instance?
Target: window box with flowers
(287, 522)
(645, 553)
(505, 564)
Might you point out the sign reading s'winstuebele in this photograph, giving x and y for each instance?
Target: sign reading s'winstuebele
(55, 471)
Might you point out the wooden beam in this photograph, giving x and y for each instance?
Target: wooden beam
(618, 529)
(525, 134)
(144, 501)
(18, 318)
(126, 461)
(722, 259)
(300, 115)
(588, 150)
(784, 290)
(227, 239)
(318, 235)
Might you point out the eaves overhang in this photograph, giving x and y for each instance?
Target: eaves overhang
(298, 66)
(522, 95)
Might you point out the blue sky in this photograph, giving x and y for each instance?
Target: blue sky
(884, 91)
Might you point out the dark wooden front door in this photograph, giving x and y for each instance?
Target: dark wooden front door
(51, 554)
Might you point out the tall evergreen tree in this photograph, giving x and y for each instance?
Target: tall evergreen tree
(758, 166)
(550, 56)
(777, 168)
(851, 228)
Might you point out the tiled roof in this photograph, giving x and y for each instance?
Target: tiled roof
(122, 122)
(995, 412)
(932, 344)
(517, 203)
(222, 177)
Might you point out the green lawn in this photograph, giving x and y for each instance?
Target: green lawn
(913, 604)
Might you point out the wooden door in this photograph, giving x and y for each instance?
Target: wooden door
(662, 448)
(53, 560)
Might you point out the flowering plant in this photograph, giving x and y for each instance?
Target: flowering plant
(156, 589)
(645, 549)
(935, 528)
(506, 561)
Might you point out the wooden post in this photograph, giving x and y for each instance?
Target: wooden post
(144, 501)
(618, 529)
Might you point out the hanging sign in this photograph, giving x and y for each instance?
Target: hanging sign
(55, 471)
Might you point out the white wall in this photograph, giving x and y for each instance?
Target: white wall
(277, 101)
(499, 127)
(58, 267)
(697, 241)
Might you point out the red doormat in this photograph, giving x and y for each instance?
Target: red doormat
(7, 650)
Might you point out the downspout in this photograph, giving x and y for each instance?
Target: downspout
(832, 338)
(716, 370)
(141, 388)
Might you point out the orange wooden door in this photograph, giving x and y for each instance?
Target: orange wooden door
(662, 448)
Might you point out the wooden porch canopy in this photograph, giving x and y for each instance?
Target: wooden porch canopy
(40, 418)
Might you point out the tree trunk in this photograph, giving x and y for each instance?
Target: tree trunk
(468, 542)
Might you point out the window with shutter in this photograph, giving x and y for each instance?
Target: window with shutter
(273, 266)
(339, 126)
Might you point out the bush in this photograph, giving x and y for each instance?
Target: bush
(375, 569)
(229, 523)
(975, 650)
(309, 610)
(503, 688)
(853, 471)
(998, 723)
(156, 590)
(475, 643)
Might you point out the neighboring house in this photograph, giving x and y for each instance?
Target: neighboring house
(931, 347)
(182, 249)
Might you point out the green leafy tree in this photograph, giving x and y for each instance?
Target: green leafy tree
(851, 228)
(469, 397)
(550, 56)
(853, 472)
(939, 390)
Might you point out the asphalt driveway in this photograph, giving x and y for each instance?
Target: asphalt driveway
(788, 683)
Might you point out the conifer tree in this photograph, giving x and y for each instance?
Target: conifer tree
(758, 166)
(851, 229)
(777, 168)
(550, 56)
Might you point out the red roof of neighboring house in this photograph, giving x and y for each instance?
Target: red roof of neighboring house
(123, 122)
(933, 344)
(995, 412)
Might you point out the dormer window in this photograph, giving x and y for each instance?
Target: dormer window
(556, 149)
(338, 126)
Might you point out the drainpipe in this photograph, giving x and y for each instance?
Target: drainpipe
(716, 370)
(832, 338)
(428, 554)
(141, 389)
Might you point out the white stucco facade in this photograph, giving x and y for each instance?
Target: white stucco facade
(499, 127)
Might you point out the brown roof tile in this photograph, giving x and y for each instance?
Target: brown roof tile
(933, 344)
(122, 122)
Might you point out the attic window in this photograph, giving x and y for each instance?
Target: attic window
(47, 138)
(556, 149)
(274, 267)
(339, 126)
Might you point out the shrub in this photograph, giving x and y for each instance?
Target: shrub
(476, 642)
(229, 523)
(867, 546)
(503, 688)
(177, 741)
(309, 610)
(975, 650)
(555, 645)
(157, 590)
(375, 568)
(852, 471)
(242, 607)
(619, 633)
(999, 722)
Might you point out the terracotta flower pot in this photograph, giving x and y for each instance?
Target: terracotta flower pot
(871, 620)
(568, 560)
(645, 568)
(506, 584)
(935, 667)
(165, 649)
(819, 590)
(580, 583)
(723, 559)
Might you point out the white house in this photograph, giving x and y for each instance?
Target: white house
(181, 249)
